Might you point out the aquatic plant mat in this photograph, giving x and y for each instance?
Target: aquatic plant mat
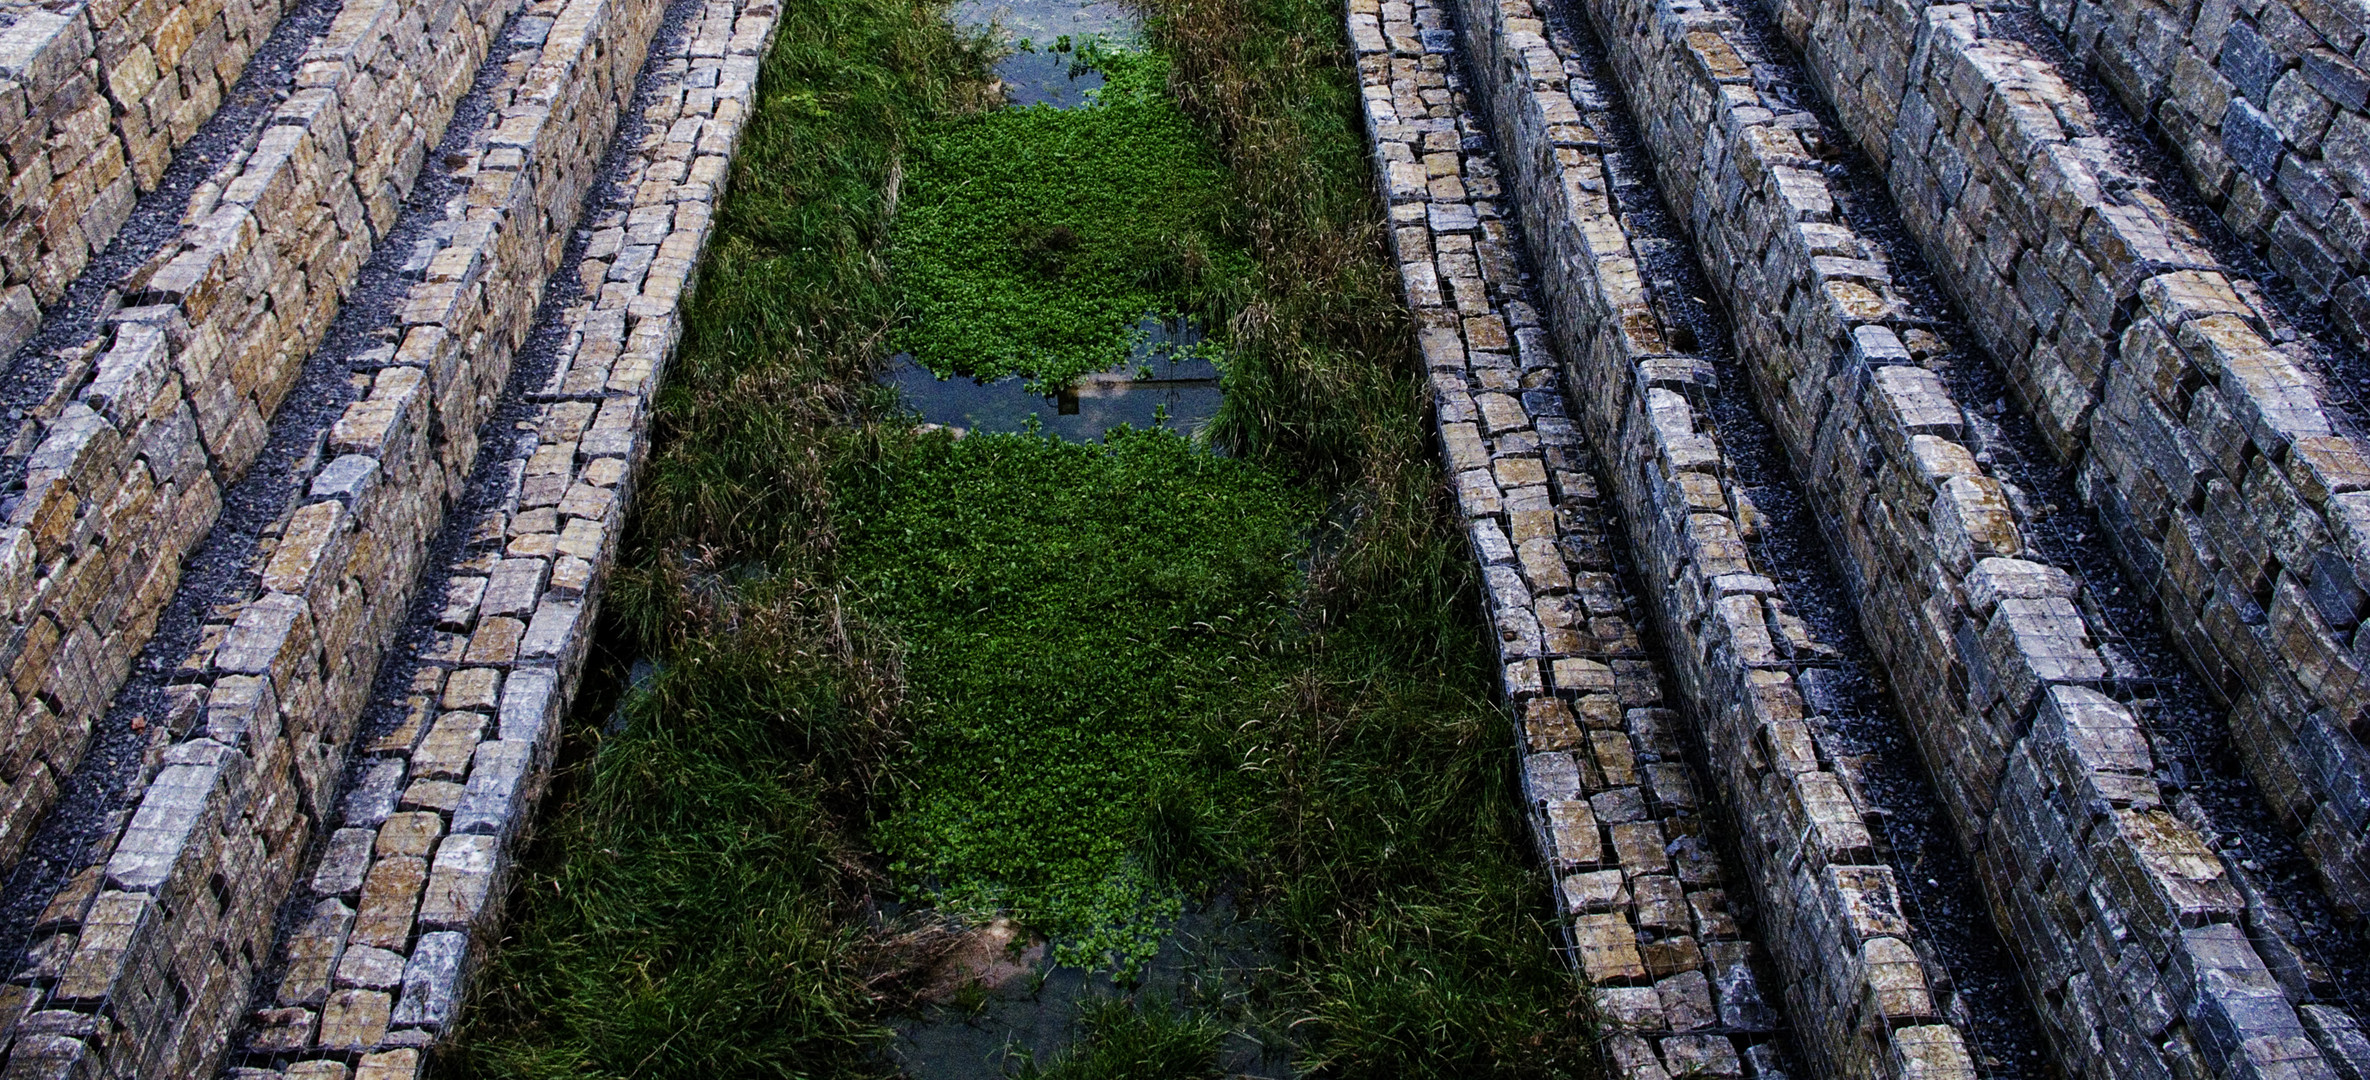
(900, 693)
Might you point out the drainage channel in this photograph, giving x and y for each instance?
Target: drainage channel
(1860, 727)
(2316, 950)
(2213, 792)
(454, 699)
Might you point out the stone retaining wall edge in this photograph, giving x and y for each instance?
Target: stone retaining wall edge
(1866, 998)
(407, 898)
(159, 943)
(94, 98)
(151, 421)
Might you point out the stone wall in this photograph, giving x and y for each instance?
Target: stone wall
(408, 895)
(94, 97)
(2142, 954)
(1864, 998)
(147, 424)
(151, 953)
(2268, 107)
(2233, 489)
(1620, 816)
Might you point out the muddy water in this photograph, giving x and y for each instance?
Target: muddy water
(1039, 71)
(1019, 1008)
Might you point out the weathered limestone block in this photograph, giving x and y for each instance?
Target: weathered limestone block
(2264, 107)
(1642, 889)
(93, 100)
(453, 785)
(288, 671)
(1812, 865)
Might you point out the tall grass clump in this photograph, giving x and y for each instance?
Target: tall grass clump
(695, 905)
(1382, 838)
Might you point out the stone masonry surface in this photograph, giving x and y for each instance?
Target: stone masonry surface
(145, 961)
(148, 422)
(1620, 815)
(94, 97)
(2267, 105)
(449, 342)
(2231, 481)
(2142, 951)
(1866, 997)
(406, 895)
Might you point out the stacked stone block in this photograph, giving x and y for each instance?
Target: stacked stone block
(2267, 105)
(2140, 948)
(147, 424)
(2206, 439)
(156, 946)
(407, 896)
(1620, 814)
(1864, 998)
(94, 97)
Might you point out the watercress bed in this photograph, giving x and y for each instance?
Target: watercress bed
(1081, 685)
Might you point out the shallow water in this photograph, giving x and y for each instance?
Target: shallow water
(1025, 1008)
(1038, 74)
(1158, 386)
(1030, 1006)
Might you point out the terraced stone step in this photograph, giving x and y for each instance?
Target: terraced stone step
(2143, 948)
(405, 899)
(2220, 446)
(144, 960)
(1620, 814)
(94, 98)
(2267, 107)
(120, 472)
(1864, 985)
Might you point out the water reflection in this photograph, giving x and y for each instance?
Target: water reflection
(1162, 383)
(1021, 1009)
(1042, 76)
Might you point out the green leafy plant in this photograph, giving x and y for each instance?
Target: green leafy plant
(1032, 241)
(1064, 609)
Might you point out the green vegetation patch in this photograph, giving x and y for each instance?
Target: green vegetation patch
(1032, 241)
(1065, 610)
(1264, 676)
